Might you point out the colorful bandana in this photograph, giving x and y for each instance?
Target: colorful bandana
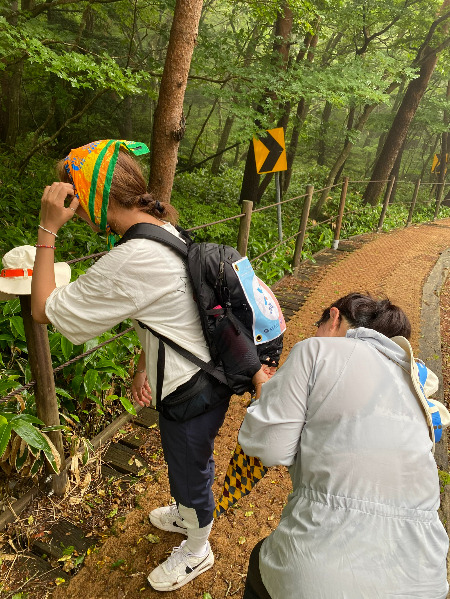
(91, 168)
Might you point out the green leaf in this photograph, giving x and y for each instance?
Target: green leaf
(5, 434)
(63, 393)
(66, 347)
(110, 366)
(32, 436)
(56, 427)
(20, 460)
(128, 405)
(35, 467)
(27, 418)
(90, 381)
(17, 326)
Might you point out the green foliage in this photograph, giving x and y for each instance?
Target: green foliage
(80, 70)
(444, 479)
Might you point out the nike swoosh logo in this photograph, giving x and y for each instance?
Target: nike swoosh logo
(189, 569)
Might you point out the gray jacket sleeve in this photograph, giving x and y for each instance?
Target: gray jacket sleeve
(273, 425)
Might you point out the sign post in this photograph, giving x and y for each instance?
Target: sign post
(278, 189)
(270, 157)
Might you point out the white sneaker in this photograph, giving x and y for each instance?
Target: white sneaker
(168, 518)
(180, 568)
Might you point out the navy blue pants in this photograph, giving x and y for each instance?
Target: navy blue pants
(188, 450)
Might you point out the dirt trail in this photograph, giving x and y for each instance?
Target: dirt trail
(394, 265)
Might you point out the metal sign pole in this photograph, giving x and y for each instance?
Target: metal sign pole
(278, 189)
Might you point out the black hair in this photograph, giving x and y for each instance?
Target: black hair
(377, 314)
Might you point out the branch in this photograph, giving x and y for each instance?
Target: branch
(369, 38)
(48, 140)
(191, 168)
(44, 6)
(429, 35)
(433, 51)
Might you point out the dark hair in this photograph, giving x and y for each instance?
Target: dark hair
(365, 311)
(129, 189)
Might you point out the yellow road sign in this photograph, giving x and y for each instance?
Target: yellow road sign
(436, 166)
(270, 151)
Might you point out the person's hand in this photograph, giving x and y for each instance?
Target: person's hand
(269, 370)
(141, 389)
(54, 213)
(258, 380)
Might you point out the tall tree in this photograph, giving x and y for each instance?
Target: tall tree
(282, 30)
(310, 44)
(425, 61)
(10, 83)
(169, 122)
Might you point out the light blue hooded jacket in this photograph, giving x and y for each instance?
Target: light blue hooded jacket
(361, 522)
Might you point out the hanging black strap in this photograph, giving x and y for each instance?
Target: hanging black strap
(209, 367)
(161, 364)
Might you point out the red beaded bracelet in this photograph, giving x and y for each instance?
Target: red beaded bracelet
(52, 247)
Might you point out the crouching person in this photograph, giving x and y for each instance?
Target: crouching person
(347, 414)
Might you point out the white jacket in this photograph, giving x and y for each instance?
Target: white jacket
(362, 520)
(143, 280)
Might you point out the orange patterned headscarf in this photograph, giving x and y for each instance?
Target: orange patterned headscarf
(91, 168)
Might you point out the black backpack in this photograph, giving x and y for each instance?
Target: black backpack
(225, 314)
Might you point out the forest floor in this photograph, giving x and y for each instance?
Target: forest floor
(393, 264)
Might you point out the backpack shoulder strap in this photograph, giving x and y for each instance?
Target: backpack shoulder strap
(207, 366)
(156, 233)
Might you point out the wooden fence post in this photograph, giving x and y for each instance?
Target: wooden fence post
(302, 229)
(413, 203)
(244, 227)
(42, 371)
(387, 197)
(439, 199)
(337, 231)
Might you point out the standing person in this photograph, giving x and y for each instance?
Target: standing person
(348, 418)
(146, 281)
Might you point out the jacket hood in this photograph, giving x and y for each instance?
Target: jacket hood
(383, 344)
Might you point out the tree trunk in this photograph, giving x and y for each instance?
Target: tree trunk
(202, 128)
(323, 131)
(223, 141)
(125, 121)
(428, 159)
(10, 83)
(302, 111)
(169, 124)
(340, 161)
(215, 168)
(394, 174)
(426, 59)
(350, 118)
(444, 148)
(283, 27)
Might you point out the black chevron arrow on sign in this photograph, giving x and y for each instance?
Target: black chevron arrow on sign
(275, 151)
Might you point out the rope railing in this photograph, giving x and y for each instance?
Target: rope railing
(91, 256)
(279, 203)
(62, 366)
(374, 181)
(216, 222)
